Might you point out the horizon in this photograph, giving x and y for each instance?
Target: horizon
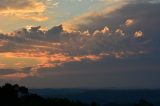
(93, 44)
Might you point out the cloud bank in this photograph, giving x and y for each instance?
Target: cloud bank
(128, 31)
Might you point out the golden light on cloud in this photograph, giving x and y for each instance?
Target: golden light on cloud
(78, 41)
(17, 61)
(40, 48)
(29, 9)
(129, 22)
(20, 64)
(69, 27)
(120, 32)
(2, 42)
(105, 30)
(35, 18)
(29, 27)
(2, 65)
(15, 76)
(138, 34)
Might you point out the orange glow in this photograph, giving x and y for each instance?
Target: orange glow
(60, 57)
(68, 27)
(2, 42)
(138, 34)
(15, 76)
(129, 22)
(27, 11)
(105, 30)
(20, 64)
(44, 60)
(35, 18)
(2, 65)
(120, 32)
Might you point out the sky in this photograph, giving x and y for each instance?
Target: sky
(97, 44)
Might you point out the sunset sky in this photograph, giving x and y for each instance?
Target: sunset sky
(80, 43)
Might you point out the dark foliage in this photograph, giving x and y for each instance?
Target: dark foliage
(15, 95)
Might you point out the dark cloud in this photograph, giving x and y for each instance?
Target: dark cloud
(132, 72)
(54, 33)
(143, 12)
(12, 71)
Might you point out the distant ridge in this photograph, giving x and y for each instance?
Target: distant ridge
(102, 96)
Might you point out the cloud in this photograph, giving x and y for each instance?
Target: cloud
(83, 21)
(15, 76)
(138, 34)
(2, 66)
(117, 34)
(115, 16)
(129, 22)
(28, 9)
(54, 47)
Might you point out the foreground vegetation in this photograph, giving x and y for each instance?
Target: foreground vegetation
(15, 95)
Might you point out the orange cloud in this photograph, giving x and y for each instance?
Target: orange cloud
(3, 42)
(15, 76)
(105, 31)
(2, 65)
(35, 18)
(50, 48)
(28, 9)
(138, 34)
(129, 22)
(119, 32)
(20, 64)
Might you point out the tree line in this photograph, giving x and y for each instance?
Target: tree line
(15, 95)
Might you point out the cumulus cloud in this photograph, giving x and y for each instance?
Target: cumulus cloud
(28, 9)
(55, 46)
(109, 34)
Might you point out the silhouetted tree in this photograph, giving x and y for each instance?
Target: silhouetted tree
(23, 90)
(94, 104)
(15, 95)
(9, 95)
